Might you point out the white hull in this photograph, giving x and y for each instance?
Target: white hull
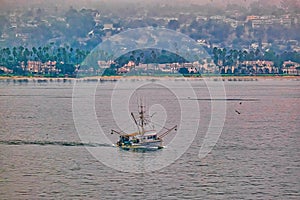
(143, 145)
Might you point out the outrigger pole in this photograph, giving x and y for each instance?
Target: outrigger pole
(168, 131)
(135, 122)
(117, 132)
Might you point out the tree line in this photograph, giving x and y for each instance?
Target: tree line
(65, 57)
(232, 57)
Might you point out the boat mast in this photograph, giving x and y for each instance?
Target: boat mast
(141, 112)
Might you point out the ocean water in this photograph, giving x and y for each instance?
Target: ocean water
(44, 155)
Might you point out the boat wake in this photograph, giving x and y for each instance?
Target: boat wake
(54, 143)
(226, 99)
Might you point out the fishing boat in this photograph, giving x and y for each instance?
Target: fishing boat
(146, 137)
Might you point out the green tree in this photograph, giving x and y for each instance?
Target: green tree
(173, 24)
(216, 55)
(270, 55)
(183, 70)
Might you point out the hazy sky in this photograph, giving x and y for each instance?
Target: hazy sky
(42, 3)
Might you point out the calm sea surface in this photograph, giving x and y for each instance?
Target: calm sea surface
(256, 157)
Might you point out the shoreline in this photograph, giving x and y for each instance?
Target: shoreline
(116, 78)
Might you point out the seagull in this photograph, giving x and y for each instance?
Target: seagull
(237, 112)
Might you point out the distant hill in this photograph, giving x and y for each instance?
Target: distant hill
(10, 4)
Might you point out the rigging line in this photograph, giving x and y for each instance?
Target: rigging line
(156, 124)
(126, 128)
(129, 125)
(137, 101)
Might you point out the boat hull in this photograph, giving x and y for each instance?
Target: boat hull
(146, 146)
